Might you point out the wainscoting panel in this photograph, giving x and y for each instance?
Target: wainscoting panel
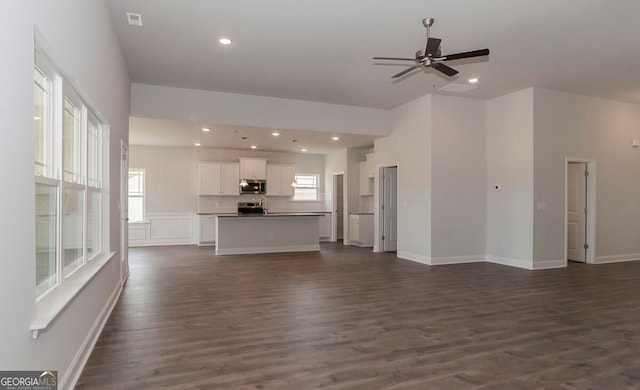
(164, 229)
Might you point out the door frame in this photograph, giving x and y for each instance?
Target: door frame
(378, 227)
(591, 207)
(124, 211)
(334, 206)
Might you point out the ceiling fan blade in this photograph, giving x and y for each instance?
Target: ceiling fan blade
(466, 54)
(444, 69)
(433, 44)
(405, 71)
(394, 58)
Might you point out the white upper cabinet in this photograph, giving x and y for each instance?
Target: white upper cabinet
(209, 179)
(253, 168)
(279, 179)
(218, 179)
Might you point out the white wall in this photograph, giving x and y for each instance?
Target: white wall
(510, 164)
(79, 38)
(188, 105)
(575, 126)
(458, 179)
(409, 147)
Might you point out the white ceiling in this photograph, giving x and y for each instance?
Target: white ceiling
(322, 50)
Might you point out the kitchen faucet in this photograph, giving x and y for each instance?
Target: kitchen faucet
(263, 204)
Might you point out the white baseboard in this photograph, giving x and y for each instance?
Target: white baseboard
(617, 258)
(548, 264)
(69, 380)
(274, 249)
(458, 259)
(413, 257)
(518, 263)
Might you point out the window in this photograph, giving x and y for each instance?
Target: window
(68, 179)
(136, 195)
(306, 187)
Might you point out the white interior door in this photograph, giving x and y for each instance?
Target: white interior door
(389, 209)
(576, 211)
(124, 212)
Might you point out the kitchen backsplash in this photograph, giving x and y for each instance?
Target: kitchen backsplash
(275, 204)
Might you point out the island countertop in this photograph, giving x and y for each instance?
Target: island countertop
(259, 215)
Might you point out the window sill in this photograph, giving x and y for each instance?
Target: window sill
(138, 222)
(49, 307)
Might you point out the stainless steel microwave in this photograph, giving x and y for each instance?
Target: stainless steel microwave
(253, 187)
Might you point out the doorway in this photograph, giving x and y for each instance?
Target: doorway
(580, 210)
(124, 212)
(337, 220)
(388, 233)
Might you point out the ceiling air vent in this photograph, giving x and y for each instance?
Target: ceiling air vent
(458, 88)
(134, 19)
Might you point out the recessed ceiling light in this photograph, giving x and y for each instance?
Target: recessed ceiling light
(335, 138)
(225, 41)
(253, 147)
(196, 144)
(206, 129)
(275, 134)
(474, 80)
(134, 19)
(303, 150)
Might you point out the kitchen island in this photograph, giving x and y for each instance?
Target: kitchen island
(271, 233)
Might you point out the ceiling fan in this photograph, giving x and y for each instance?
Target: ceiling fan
(431, 56)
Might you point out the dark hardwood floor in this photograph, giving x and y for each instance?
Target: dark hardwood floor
(346, 318)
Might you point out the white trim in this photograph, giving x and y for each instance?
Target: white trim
(548, 264)
(163, 242)
(269, 249)
(72, 374)
(187, 238)
(50, 305)
(617, 258)
(414, 257)
(518, 263)
(458, 259)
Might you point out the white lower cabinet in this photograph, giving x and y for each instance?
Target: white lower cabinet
(207, 234)
(324, 227)
(361, 229)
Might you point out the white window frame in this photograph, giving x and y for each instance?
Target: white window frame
(52, 301)
(143, 173)
(317, 187)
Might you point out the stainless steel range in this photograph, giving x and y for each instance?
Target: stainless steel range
(250, 208)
